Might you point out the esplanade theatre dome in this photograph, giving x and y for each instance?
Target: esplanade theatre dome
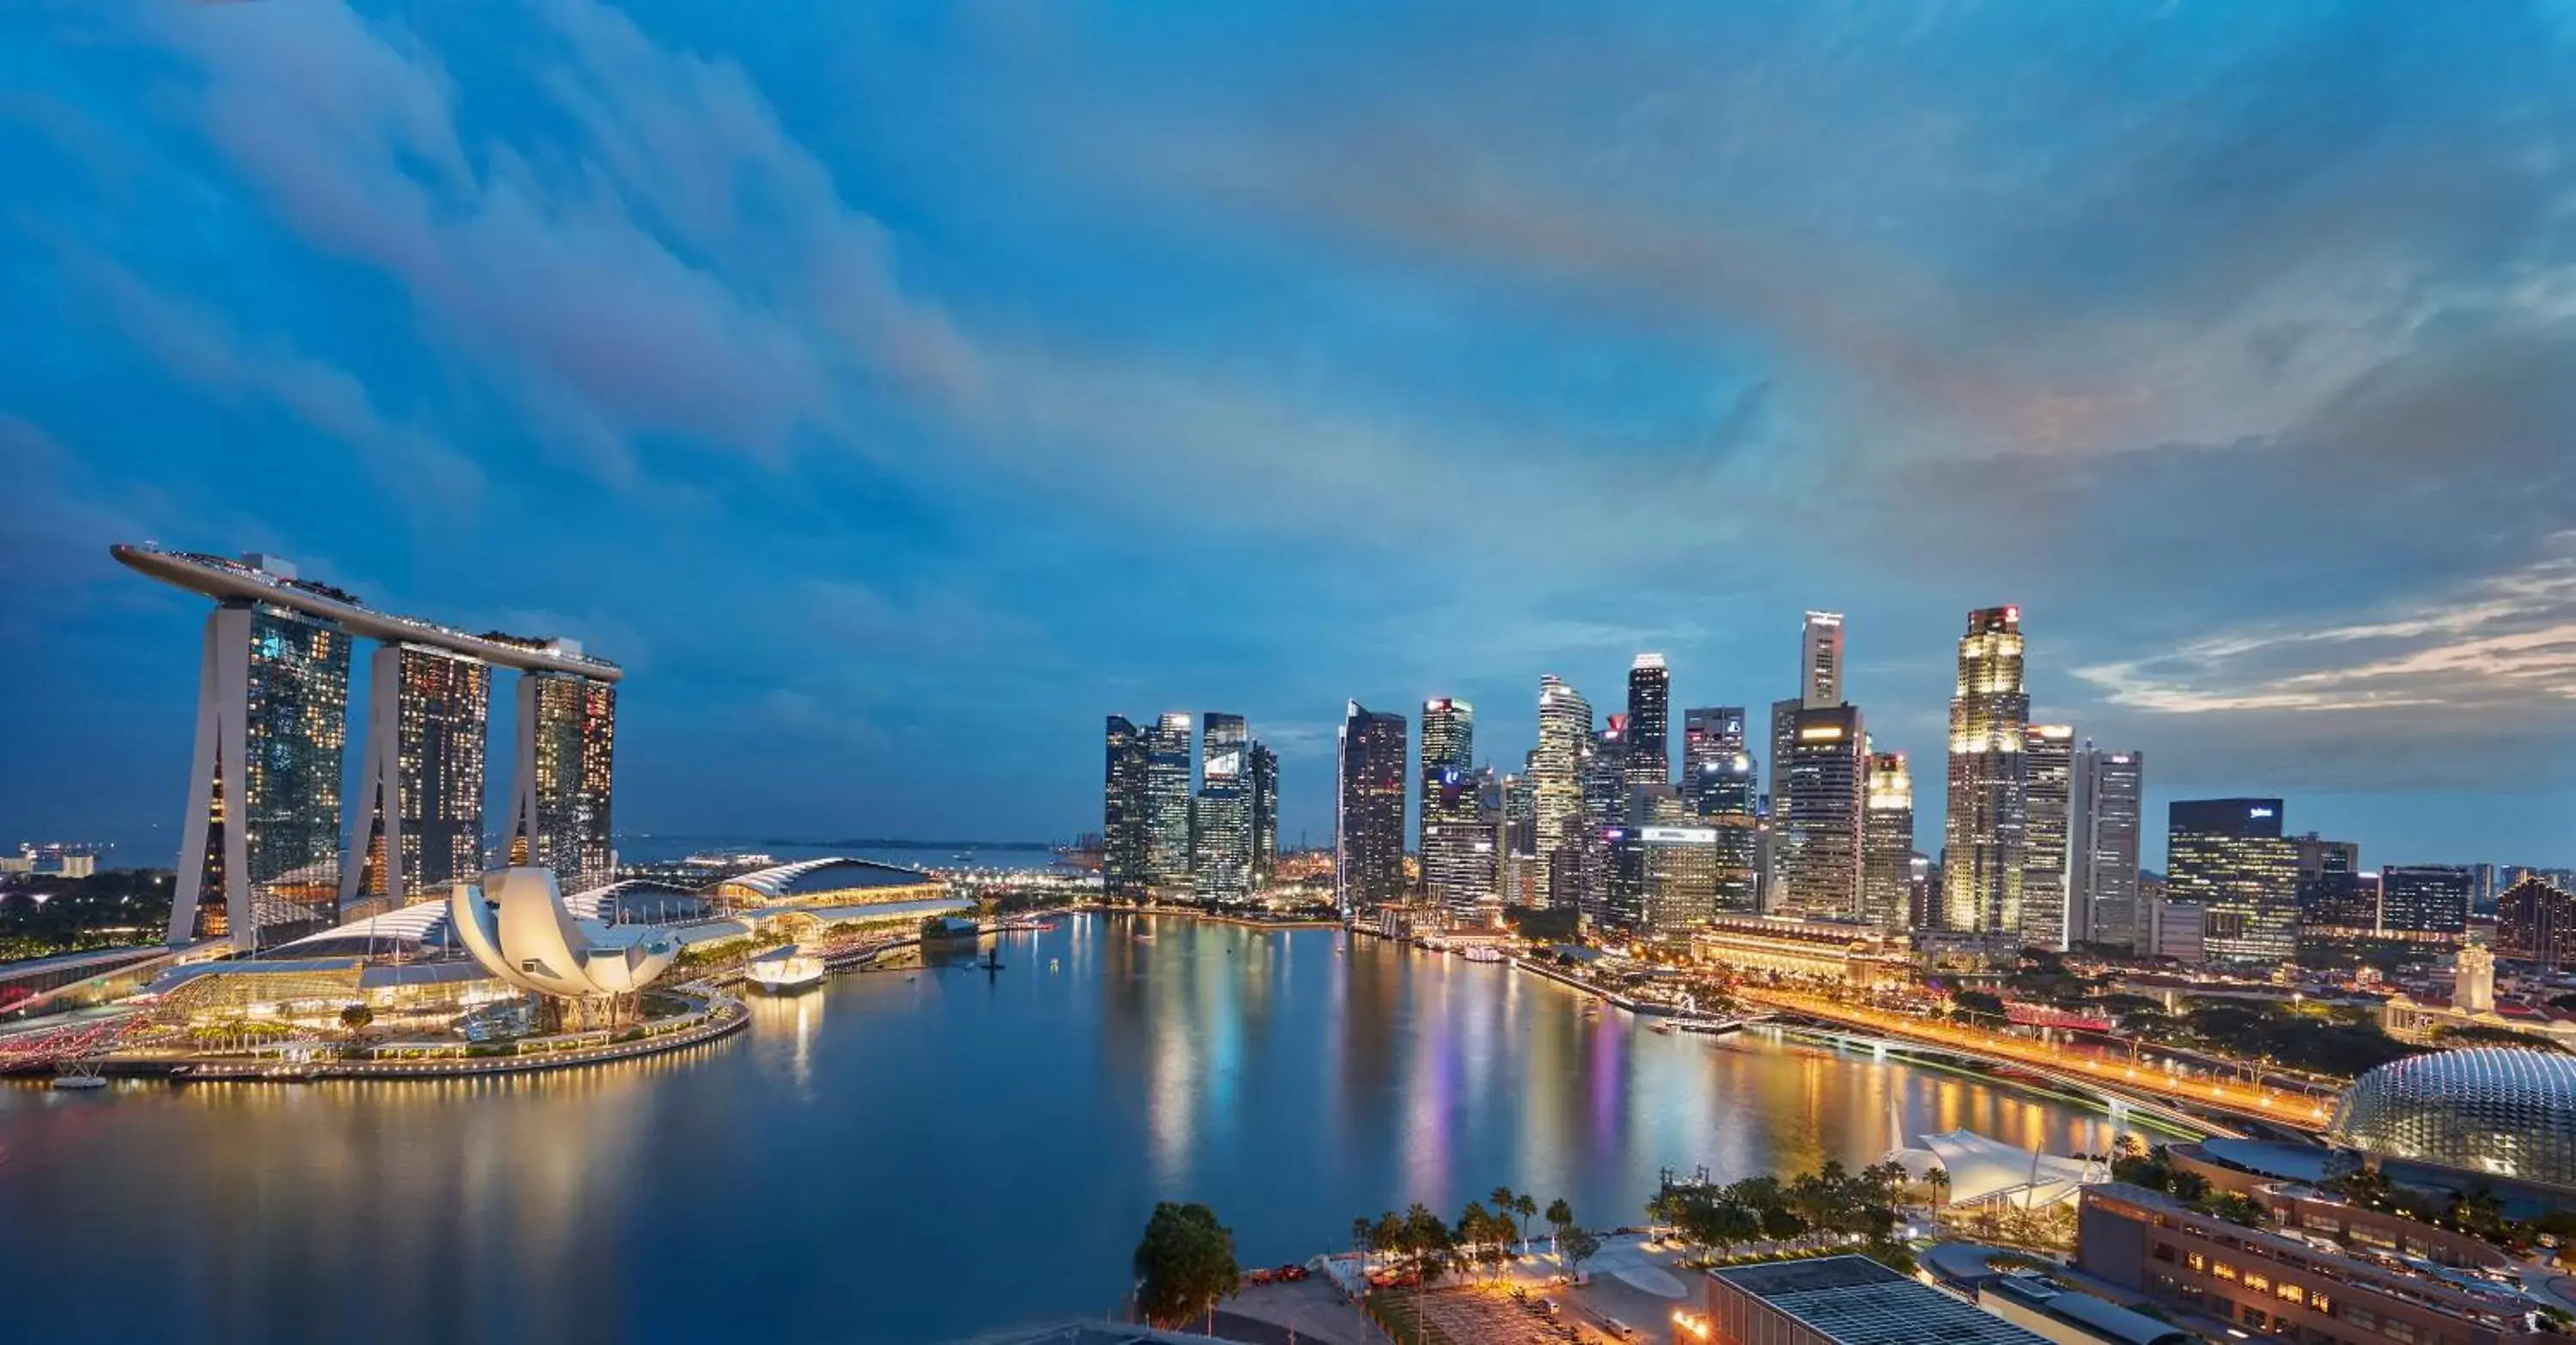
(2492, 1109)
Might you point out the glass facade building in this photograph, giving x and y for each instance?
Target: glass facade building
(2102, 897)
(1265, 813)
(1887, 842)
(1818, 846)
(1167, 804)
(2228, 857)
(1649, 759)
(1221, 828)
(2536, 922)
(2425, 900)
(1368, 814)
(1556, 784)
(1985, 831)
(2048, 795)
(1455, 839)
(2498, 1110)
(1126, 854)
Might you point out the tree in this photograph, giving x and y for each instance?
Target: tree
(1184, 1264)
(1426, 1236)
(1978, 1001)
(1578, 1247)
(1507, 1208)
(356, 1017)
(1780, 1223)
(1388, 1235)
(1560, 1217)
(1524, 1209)
(2234, 1208)
(1364, 1239)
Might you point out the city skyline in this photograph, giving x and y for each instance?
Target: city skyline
(450, 332)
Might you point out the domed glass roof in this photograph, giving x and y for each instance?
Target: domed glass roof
(2490, 1109)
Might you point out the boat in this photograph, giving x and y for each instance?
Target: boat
(1665, 1029)
(1711, 1026)
(785, 970)
(78, 1082)
(1484, 952)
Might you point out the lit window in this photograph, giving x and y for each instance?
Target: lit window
(2197, 1262)
(2292, 1293)
(2223, 1271)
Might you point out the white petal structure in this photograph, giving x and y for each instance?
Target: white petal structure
(516, 925)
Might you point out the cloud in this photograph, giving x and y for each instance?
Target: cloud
(199, 348)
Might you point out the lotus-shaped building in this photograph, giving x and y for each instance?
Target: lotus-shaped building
(2496, 1110)
(516, 925)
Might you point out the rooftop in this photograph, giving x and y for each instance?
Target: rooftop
(1857, 1301)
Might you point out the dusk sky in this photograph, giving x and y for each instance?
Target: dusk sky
(896, 390)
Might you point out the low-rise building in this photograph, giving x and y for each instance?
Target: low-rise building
(1844, 1300)
(1826, 950)
(2051, 1311)
(2284, 1284)
(2424, 1019)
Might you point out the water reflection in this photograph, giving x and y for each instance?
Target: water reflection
(858, 1146)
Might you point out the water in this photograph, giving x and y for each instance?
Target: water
(909, 1157)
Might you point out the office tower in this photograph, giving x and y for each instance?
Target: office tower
(1605, 809)
(2228, 857)
(1784, 741)
(260, 859)
(1126, 845)
(1167, 804)
(1519, 862)
(1564, 733)
(1451, 805)
(2174, 930)
(2048, 796)
(1887, 842)
(1649, 759)
(1368, 814)
(1820, 665)
(420, 808)
(1485, 868)
(1724, 795)
(1984, 832)
(2315, 856)
(1678, 864)
(2536, 922)
(567, 745)
(1221, 826)
(1922, 891)
(1265, 813)
(1710, 733)
(1819, 845)
(2425, 901)
(2102, 888)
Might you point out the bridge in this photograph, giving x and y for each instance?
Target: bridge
(2168, 1094)
(54, 1042)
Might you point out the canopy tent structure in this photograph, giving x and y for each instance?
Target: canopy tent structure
(1983, 1170)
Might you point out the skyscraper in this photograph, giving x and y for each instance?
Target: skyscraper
(2536, 922)
(1784, 741)
(567, 746)
(1368, 815)
(1649, 759)
(2227, 856)
(1221, 828)
(2106, 794)
(1167, 804)
(1724, 796)
(260, 860)
(420, 807)
(1820, 665)
(1556, 784)
(1126, 846)
(2048, 795)
(1984, 831)
(1265, 814)
(2425, 901)
(1606, 801)
(1709, 733)
(1818, 849)
(1518, 862)
(1887, 842)
(1457, 839)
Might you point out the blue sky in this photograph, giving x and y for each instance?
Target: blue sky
(898, 389)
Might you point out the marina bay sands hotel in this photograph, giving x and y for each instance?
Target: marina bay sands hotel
(261, 860)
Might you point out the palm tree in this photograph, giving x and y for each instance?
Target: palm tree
(1364, 1240)
(1526, 1209)
(1507, 1209)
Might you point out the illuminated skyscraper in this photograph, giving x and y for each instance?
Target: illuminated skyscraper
(1556, 784)
(1265, 814)
(2102, 898)
(1604, 775)
(2425, 901)
(2227, 856)
(1818, 848)
(1649, 759)
(1887, 842)
(1820, 665)
(1368, 815)
(2048, 795)
(1126, 849)
(1709, 733)
(1221, 831)
(1456, 839)
(1167, 804)
(1519, 862)
(260, 860)
(1724, 797)
(567, 748)
(1986, 828)
(420, 805)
